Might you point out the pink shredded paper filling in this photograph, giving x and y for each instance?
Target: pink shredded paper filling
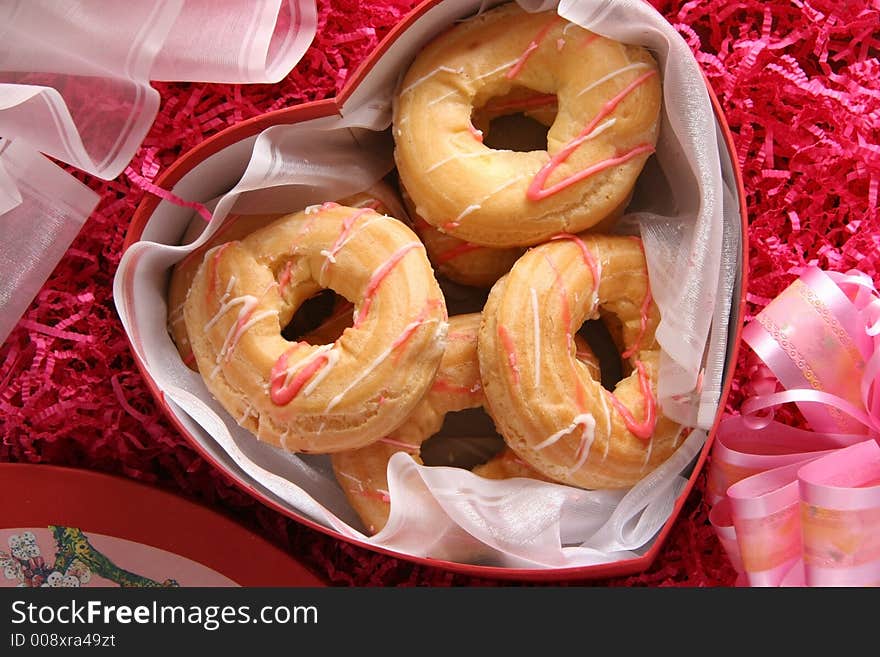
(799, 83)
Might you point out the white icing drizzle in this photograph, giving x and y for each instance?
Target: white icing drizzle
(588, 435)
(595, 301)
(648, 454)
(176, 315)
(598, 130)
(441, 98)
(503, 67)
(376, 362)
(357, 481)
(613, 74)
(229, 285)
(428, 76)
(478, 204)
(291, 371)
(455, 156)
(283, 438)
(248, 302)
(332, 359)
(248, 411)
(397, 443)
(584, 419)
(331, 254)
(471, 208)
(536, 327)
(607, 413)
(253, 320)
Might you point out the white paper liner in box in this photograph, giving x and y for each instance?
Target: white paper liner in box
(689, 222)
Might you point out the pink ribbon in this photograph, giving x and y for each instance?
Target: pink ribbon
(798, 507)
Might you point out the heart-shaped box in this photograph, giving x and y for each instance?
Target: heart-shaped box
(357, 120)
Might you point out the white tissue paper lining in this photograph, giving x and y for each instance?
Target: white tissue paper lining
(691, 232)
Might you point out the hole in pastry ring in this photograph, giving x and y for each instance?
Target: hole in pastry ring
(362, 473)
(606, 127)
(324, 398)
(550, 409)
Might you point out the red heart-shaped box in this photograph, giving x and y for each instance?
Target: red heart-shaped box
(428, 19)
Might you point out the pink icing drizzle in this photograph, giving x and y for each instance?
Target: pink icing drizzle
(529, 102)
(454, 252)
(645, 428)
(537, 191)
(379, 275)
(509, 347)
(589, 39)
(347, 225)
(566, 321)
(532, 47)
(643, 319)
(281, 394)
(420, 319)
(376, 494)
(643, 325)
(212, 270)
(589, 260)
(285, 276)
(243, 318)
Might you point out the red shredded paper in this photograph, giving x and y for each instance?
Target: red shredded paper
(800, 85)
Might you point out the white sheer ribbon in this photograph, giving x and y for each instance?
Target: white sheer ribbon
(74, 80)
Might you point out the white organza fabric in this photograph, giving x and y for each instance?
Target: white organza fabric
(687, 217)
(74, 84)
(31, 189)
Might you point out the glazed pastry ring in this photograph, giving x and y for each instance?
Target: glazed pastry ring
(605, 128)
(379, 197)
(318, 398)
(551, 411)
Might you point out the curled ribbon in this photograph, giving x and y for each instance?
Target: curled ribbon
(797, 507)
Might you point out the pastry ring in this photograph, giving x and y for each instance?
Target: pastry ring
(318, 398)
(550, 409)
(606, 127)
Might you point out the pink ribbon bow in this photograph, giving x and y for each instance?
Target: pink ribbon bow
(794, 507)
